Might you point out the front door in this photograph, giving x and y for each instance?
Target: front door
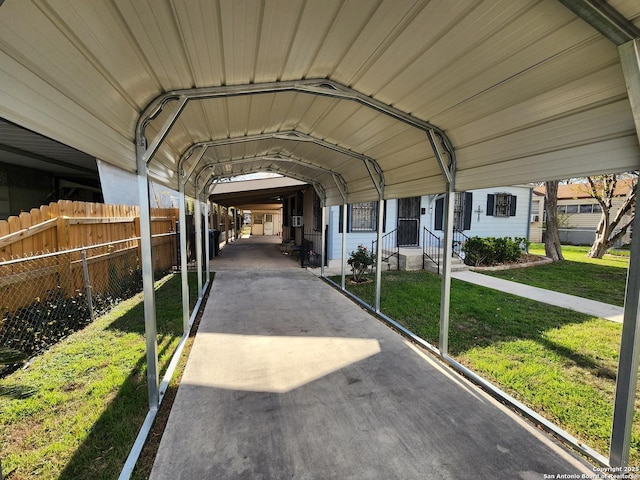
(268, 224)
(409, 222)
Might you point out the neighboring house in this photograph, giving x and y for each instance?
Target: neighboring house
(578, 213)
(266, 219)
(495, 212)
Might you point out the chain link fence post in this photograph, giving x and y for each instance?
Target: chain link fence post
(87, 285)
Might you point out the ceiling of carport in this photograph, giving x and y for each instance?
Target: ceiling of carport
(524, 90)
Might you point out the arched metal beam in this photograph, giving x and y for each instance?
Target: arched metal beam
(338, 178)
(200, 148)
(321, 87)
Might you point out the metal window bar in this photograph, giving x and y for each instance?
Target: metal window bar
(431, 249)
(390, 247)
(363, 217)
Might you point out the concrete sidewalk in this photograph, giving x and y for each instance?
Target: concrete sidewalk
(570, 302)
(289, 379)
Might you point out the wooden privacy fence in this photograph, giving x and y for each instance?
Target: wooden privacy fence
(109, 234)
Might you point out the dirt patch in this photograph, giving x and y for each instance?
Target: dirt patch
(526, 260)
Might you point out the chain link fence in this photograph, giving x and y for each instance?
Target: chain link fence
(45, 298)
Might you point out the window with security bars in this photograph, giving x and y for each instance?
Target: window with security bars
(363, 217)
(317, 213)
(501, 205)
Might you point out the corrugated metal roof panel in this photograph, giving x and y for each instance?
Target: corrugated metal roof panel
(513, 84)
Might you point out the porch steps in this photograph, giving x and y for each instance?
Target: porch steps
(411, 259)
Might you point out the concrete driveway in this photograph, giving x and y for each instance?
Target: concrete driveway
(288, 379)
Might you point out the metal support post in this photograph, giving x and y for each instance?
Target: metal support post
(184, 274)
(87, 283)
(146, 260)
(379, 253)
(323, 254)
(627, 378)
(198, 220)
(445, 291)
(344, 245)
(207, 246)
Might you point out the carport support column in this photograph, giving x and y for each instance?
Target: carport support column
(627, 378)
(198, 220)
(146, 260)
(445, 290)
(379, 252)
(344, 244)
(184, 274)
(207, 245)
(323, 257)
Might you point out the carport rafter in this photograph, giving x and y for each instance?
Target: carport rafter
(289, 135)
(302, 178)
(321, 87)
(276, 158)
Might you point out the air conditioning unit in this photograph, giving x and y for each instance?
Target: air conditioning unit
(296, 220)
(535, 218)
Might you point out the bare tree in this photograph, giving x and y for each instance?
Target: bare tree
(611, 229)
(552, 246)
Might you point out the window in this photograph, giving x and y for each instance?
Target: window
(501, 205)
(590, 208)
(586, 208)
(361, 217)
(462, 206)
(535, 212)
(317, 213)
(571, 209)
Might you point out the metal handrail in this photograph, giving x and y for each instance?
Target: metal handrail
(431, 248)
(459, 239)
(390, 246)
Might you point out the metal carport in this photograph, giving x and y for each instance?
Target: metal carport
(364, 100)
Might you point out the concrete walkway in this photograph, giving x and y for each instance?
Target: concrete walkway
(288, 379)
(577, 304)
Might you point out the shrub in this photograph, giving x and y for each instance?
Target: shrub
(360, 260)
(492, 251)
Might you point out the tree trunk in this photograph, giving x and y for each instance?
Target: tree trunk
(552, 246)
(601, 241)
(610, 230)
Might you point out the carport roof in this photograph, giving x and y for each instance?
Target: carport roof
(267, 190)
(353, 97)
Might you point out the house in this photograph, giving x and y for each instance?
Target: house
(578, 212)
(409, 223)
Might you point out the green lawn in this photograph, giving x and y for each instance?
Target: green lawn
(559, 362)
(91, 394)
(603, 279)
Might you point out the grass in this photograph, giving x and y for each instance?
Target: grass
(90, 394)
(603, 280)
(559, 362)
